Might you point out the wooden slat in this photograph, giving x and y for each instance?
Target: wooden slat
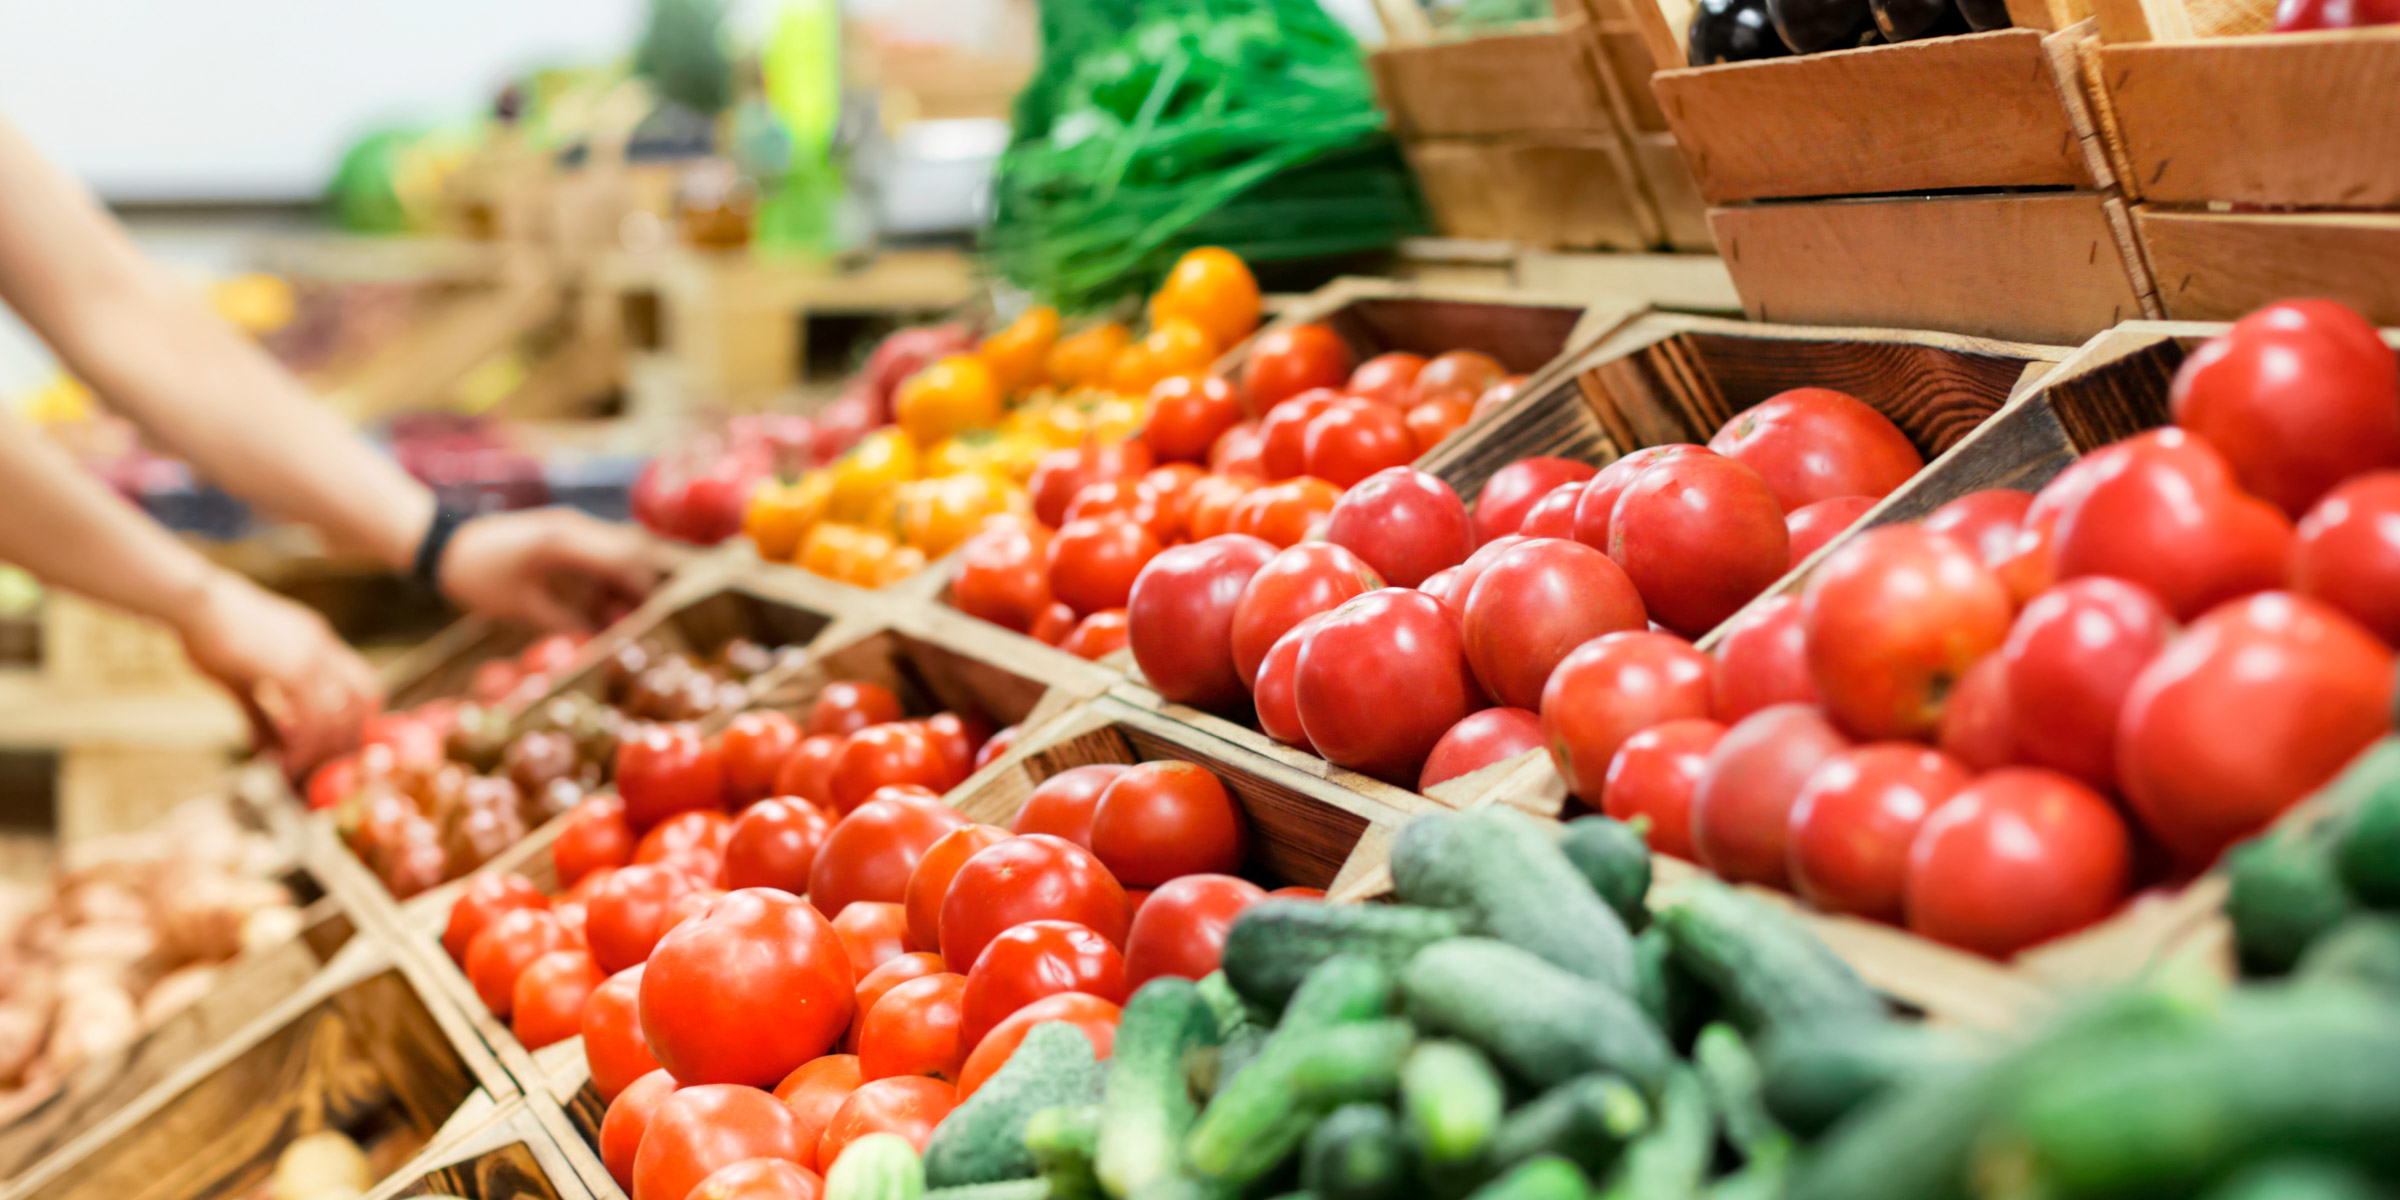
(2182, 20)
(1682, 214)
(2220, 266)
(1573, 190)
(1499, 84)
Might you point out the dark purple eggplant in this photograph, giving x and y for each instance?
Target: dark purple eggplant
(1808, 26)
(1909, 20)
(1983, 16)
(1726, 31)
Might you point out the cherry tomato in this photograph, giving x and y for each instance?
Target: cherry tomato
(2071, 657)
(753, 748)
(807, 772)
(774, 843)
(1055, 623)
(1478, 741)
(1986, 522)
(2347, 555)
(844, 707)
(1034, 959)
(1091, 1016)
(1811, 526)
(1354, 438)
(1762, 659)
(814, 1092)
(2163, 512)
(1813, 444)
(1513, 490)
(1062, 473)
(872, 852)
(1553, 516)
(613, 1046)
(1380, 680)
(1892, 620)
(1459, 374)
(1610, 689)
(1433, 421)
(627, 1120)
(1654, 776)
(1283, 433)
(1288, 361)
(908, 1105)
(879, 756)
(2017, 857)
(1179, 619)
(929, 884)
(1742, 810)
(1534, 605)
(547, 1004)
(631, 911)
(1180, 930)
(666, 769)
(1855, 819)
(1093, 562)
(693, 842)
(1208, 510)
(1063, 804)
(746, 991)
(1701, 536)
(486, 897)
(505, 948)
(1097, 636)
(873, 933)
(996, 745)
(1029, 877)
(2298, 397)
(1125, 498)
(1165, 819)
(697, 1130)
(1187, 415)
(1283, 514)
(1004, 574)
(1298, 583)
(334, 781)
(914, 1030)
(1278, 705)
(1404, 524)
(1389, 378)
(760, 1179)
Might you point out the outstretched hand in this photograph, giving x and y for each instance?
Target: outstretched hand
(554, 568)
(305, 692)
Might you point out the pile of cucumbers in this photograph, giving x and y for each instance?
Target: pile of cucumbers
(2320, 895)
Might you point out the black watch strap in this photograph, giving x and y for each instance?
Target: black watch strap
(427, 570)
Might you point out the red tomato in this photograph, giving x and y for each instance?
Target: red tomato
(1654, 776)
(1180, 930)
(1741, 812)
(891, 973)
(1127, 498)
(873, 933)
(1441, 584)
(1180, 618)
(1553, 516)
(613, 1046)
(872, 852)
(493, 681)
(1030, 877)
(1380, 680)
(1354, 438)
(774, 843)
(844, 707)
(885, 755)
(955, 739)
(1283, 433)
(1093, 562)
(2018, 857)
(1610, 689)
(1813, 444)
(631, 911)
(1811, 526)
(693, 842)
(1062, 473)
(914, 1030)
(333, 782)
(1307, 579)
(1855, 819)
(1701, 536)
(1187, 415)
(1534, 605)
(691, 904)
(1387, 378)
(1461, 374)
(1097, 636)
(1499, 393)
(996, 745)
(1977, 725)
(1404, 524)
(627, 1120)
(1278, 705)
(753, 748)
(1892, 620)
(1461, 584)
(1208, 510)
(1986, 522)
(1092, 1016)
(929, 884)
(2298, 397)
(1055, 623)
(2258, 704)
(2348, 553)
(2071, 657)
(816, 1091)
(505, 948)
(1513, 490)
(1284, 513)
(413, 742)
(1288, 361)
(666, 769)
(1169, 488)
(486, 897)
(1432, 422)
(746, 991)
(1004, 574)
(760, 1179)
(547, 1005)
(908, 1105)
(1762, 659)
(2163, 512)
(1165, 819)
(1478, 741)
(1597, 502)
(697, 1130)
(807, 772)
(1034, 959)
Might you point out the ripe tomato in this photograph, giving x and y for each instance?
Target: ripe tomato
(1165, 819)
(1169, 489)
(760, 1179)
(897, 752)
(1459, 374)
(486, 897)
(1187, 415)
(914, 1030)
(2163, 512)
(1278, 705)
(505, 948)
(2071, 657)
(1813, 444)
(774, 843)
(1283, 433)
(1610, 689)
(1004, 574)
(666, 769)
(1211, 287)
(1553, 516)
(1091, 1016)
(996, 745)
(1055, 623)
(844, 707)
(2298, 396)
(1062, 473)
(1978, 724)
(627, 1120)
(1029, 877)
(1298, 583)
(1180, 618)
(1093, 561)
(2258, 704)
(1288, 361)
(1534, 605)
(1380, 680)
(1986, 522)
(1514, 489)
(1097, 636)
(753, 748)
(1062, 805)
(746, 991)
(697, 1130)
(1035, 959)
(908, 1105)
(1654, 776)
(1892, 620)
(2017, 857)
(1403, 524)
(547, 1005)
(1433, 421)
(871, 853)
(1180, 930)
(814, 1092)
(2348, 553)
(1762, 659)
(1597, 502)
(1284, 513)
(1700, 535)
(1742, 810)
(1208, 510)
(1461, 582)
(613, 1046)
(1389, 378)
(1126, 498)
(1478, 741)
(1811, 526)
(693, 842)
(630, 911)
(873, 933)
(929, 884)
(1354, 438)
(1856, 818)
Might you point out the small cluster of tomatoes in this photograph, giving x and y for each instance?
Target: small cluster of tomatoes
(772, 949)
(1974, 724)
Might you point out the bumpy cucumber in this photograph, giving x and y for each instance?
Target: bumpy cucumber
(1507, 876)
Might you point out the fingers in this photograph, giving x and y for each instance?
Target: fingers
(624, 558)
(538, 607)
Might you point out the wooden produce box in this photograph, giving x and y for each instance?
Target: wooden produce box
(526, 1151)
(444, 665)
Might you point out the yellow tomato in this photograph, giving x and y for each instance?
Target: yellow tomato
(1212, 288)
(849, 553)
(1016, 354)
(1114, 419)
(1016, 455)
(1174, 346)
(967, 452)
(1083, 359)
(938, 514)
(880, 462)
(1058, 424)
(780, 512)
(951, 396)
(901, 563)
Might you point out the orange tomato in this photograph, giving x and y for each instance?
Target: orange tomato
(780, 513)
(902, 563)
(1210, 287)
(1283, 513)
(937, 514)
(1174, 346)
(1016, 353)
(1083, 358)
(950, 397)
(867, 475)
(850, 553)
(1433, 420)
(1208, 503)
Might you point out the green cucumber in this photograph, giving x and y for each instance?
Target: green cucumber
(2298, 1179)
(1355, 1153)
(1540, 1022)
(2283, 893)
(1772, 973)
(1814, 1080)
(1259, 1115)
(1540, 1179)
(1211, 1070)
(1224, 1004)
(1274, 944)
(2364, 950)
(1149, 1098)
(1353, 1062)
(2367, 853)
(1507, 875)
(1731, 1074)
(1586, 1120)
(1450, 1102)
(983, 1139)
(1063, 1141)
(1009, 1189)
(879, 1166)
(1614, 858)
(1670, 1162)
(1675, 1000)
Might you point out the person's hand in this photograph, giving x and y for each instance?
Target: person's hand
(305, 692)
(553, 567)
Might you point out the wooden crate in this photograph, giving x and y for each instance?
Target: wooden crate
(526, 1151)
(2215, 266)
(1527, 331)
(1575, 190)
(444, 665)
